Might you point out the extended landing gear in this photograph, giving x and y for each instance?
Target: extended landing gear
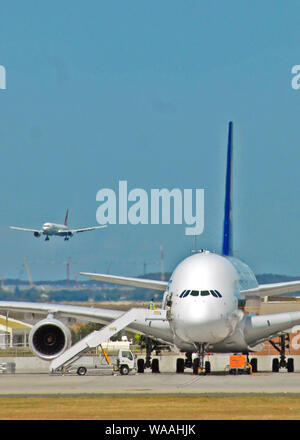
(154, 365)
(66, 238)
(181, 363)
(47, 238)
(150, 345)
(282, 362)
(199, 366)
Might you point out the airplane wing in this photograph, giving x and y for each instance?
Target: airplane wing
(273, 289)
(136, 282)
(91, 228)
(261, 290)
(26, 229)
(92, 314)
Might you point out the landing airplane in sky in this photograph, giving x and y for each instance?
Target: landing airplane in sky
(56, 229)
(203, 309)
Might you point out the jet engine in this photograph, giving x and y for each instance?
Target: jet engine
(49, 338)
(36, 234)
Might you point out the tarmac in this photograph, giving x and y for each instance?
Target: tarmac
(30, 377)
(45, 384)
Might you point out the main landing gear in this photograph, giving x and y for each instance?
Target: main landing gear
(47, 238)
(150, 345)
(281, 346)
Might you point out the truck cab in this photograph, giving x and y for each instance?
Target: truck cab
(125, 361)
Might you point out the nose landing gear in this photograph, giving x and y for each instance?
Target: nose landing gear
(199, 366)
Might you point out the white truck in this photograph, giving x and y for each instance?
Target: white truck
(123, 363)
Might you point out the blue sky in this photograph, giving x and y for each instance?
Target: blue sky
(143, 91)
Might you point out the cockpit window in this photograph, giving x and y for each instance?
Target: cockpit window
(214, 294)
(205, 292)
(194, 292)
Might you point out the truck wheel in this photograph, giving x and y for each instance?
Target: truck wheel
(140, 366)
(81, 371)
(124, 370)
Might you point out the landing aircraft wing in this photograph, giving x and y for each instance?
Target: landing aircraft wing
(26, 229)
(136, 282)
(273, 289)
(91, 228)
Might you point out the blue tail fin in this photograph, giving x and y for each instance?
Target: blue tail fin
(227, 233)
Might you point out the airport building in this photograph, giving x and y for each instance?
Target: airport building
(13, 332)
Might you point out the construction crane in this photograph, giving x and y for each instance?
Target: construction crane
(28, 273)
(68, 264)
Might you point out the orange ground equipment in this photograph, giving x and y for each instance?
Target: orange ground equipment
(239, 365)
(237, 361)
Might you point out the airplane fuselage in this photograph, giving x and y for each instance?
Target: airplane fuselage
(55, 229)
(203, 297)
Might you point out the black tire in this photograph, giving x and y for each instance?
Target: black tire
(253, 364)
(81, 371)
(155, 366)
(207, 367)
(124, 370)
(140, 366)
(196, 363)
(180, 365)
(290, 365)
(275, 365)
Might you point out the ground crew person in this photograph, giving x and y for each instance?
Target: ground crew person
(152, 305)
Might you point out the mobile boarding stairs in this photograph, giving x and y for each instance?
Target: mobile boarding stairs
(97, 337)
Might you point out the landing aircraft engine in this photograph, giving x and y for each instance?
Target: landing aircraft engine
(49, 338)
(36, 234)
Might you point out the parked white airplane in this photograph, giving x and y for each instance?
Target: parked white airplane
(57, 229)
(202, 311)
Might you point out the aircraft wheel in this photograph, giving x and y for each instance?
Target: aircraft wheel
(196, 364)
(290, 365)
(275, 365)
(81, 371)
(253, 364)
(155, 366)
(179, 365)
(207, 367)
(140, 366)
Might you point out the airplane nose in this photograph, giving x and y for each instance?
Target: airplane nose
(201, 323)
